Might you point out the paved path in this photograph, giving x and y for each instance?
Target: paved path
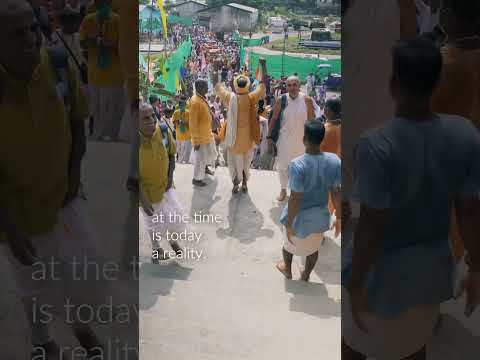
(234, 304)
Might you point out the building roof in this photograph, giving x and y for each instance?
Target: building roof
(243, 7)
(185, 2)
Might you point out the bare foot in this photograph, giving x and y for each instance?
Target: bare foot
(244, 188)
(199, 183)
(283, 269)
(235, 189)
(304, 277)
(282, 196)
(208, 171)
(178, 250)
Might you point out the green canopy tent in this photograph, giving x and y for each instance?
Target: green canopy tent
(292, 64)
(172, 19)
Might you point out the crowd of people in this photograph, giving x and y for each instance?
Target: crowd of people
(227, 116)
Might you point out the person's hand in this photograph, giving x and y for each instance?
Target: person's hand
(196, 147)
(22, 248)
(337, 225)
(358, 300)
(470, 285)
(290, 235)
(309, 102)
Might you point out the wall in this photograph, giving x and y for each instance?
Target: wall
(227, 19)
(188, 10)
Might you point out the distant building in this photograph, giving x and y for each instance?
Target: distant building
(186, 9)
(228, 17)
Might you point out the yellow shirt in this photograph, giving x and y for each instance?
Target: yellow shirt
(182, 136)
(200, 121)
(35, 143)
(153, 165)
(113, 74)
(244, 139)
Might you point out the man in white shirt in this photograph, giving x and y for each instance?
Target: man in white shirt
(298, 111)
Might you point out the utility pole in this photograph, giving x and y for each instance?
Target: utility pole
(285, 29)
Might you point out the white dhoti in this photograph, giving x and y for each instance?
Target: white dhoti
(389, 338)
(59, 273)
(107, 108)
(184, 150)
(290, 142)
(167, 216)
(238, 165)
(303, 247)
(206, 155)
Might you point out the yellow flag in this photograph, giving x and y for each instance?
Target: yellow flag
(164, 17)
(178, 86)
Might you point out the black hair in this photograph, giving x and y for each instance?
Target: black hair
(153, 99)
(261, 106)
(334, 105)
(200, 83)
(314, 132)
(417, 65)
(469, 10)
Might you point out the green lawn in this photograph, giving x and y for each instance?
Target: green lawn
(292, 46)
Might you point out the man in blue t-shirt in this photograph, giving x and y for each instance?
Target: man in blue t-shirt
(312, 177)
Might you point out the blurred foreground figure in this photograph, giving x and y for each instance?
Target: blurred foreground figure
(409, 174)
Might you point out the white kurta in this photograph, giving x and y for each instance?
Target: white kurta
(290, 142)
(370, 30)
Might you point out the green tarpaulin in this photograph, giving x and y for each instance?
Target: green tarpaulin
(179, 20)
(250, 42)
(292, 64)
(172, 66)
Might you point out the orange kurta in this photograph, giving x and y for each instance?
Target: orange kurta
(246, 119)
(458, 93)
(332, 143)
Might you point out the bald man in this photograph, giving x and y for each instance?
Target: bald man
(298, 111)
